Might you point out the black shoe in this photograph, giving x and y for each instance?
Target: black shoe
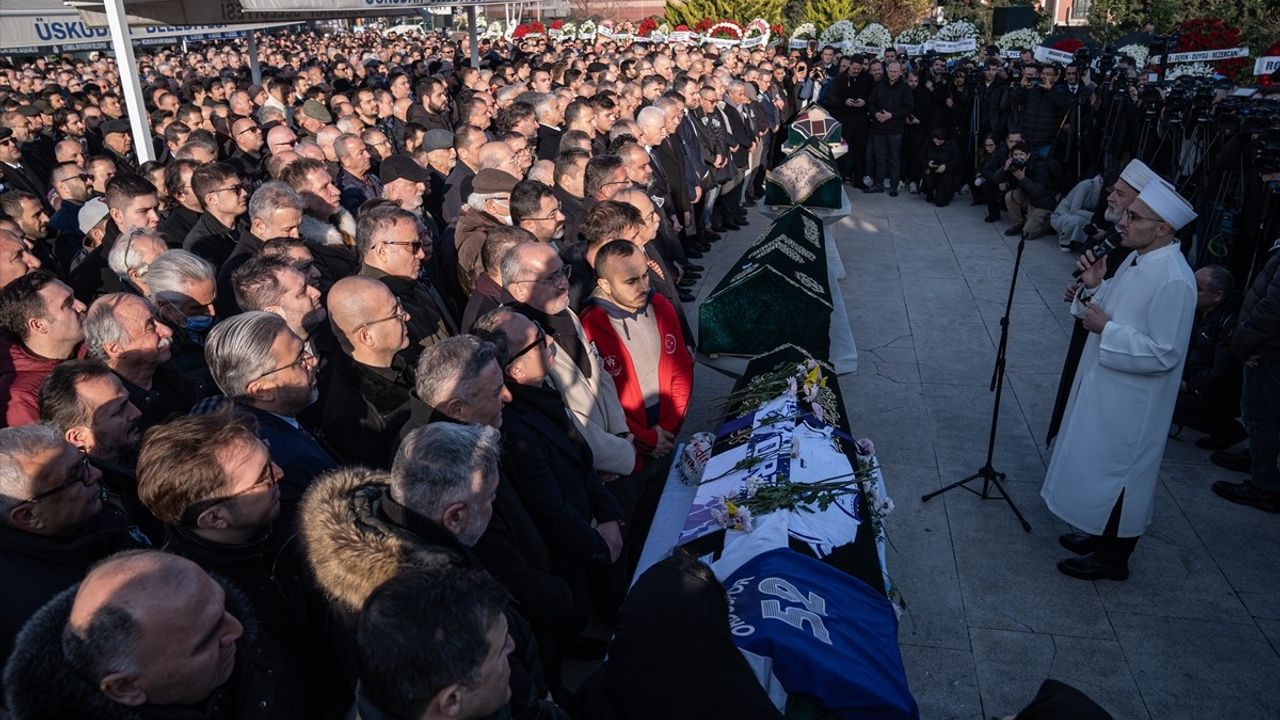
(703, 246)
(719, 229)
(991, 218)
(1014, 231)
(893, 192)
(1246, 493)
(686, 296)
(873, 189)
(694, 267)
(1223, 440)
(741, 219)
(1078, 543)
(1088, 567)
(693, 252)
(731, 225)
(691, 276)
(711, 235)
(1238, 462)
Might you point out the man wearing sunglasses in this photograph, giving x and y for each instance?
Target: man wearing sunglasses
(392, 250)
(71, 184)
(248, 140)
(53, 523)
(225, 198)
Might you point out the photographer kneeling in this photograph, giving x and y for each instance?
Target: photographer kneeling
(941, 168)
(1029, 197)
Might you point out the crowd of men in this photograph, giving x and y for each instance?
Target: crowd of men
(381, 323)
(362, 395)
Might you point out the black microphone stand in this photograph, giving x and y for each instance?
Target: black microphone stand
(987, 473)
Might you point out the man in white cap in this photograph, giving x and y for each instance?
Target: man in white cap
(1133, 179)
(1102, 477)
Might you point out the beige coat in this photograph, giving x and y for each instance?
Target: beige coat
(593, 403)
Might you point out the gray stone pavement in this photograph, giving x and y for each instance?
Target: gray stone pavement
(1195, 631)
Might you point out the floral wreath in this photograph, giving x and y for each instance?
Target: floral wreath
(804, 31)
(1192, 69)
(587, 30)
(875, 35)
(724, 30)
(958, 30)
(756, 28)
(1139, 53)
(840, 32)
(914, 36)
(1024, 39)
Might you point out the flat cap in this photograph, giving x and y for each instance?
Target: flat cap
(114, 126)
(402, 167)
(316, 111)
(437, 139)
(490, 180)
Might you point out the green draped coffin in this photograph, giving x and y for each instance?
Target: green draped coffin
(777, 293)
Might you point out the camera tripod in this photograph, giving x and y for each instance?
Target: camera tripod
(987, 473)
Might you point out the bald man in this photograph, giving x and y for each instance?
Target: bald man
(146, 630)
(280, 138)
(248, 140)
(497, 155)
(369, 391)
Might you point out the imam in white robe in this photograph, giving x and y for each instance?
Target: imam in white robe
(1117, 418)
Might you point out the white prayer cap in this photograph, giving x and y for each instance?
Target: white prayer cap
(1165, 201)
(1136, 174)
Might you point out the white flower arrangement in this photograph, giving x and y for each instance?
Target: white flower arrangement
(569, 29)
(1024, 39)
(958, 30)
(493, 30)
(875, 35)
(731, 27)
(914, 36)
(664, 29)
(759, 26)
(838, 33)
(804, 31)
(587, 30)
(1139, 53)
(1194, 69)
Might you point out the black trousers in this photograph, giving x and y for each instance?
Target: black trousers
(939, 188)
(1211, 416)
(1109, 547)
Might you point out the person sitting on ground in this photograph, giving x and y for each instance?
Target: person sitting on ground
(1075, 211)
(941, 161)
(1209, 396)
(53, 523)
(149, 634)
(43, 325)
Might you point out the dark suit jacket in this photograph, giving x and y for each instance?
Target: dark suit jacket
(699, 164)
(457, 190)
(301, 455)
(742, 133)
(23, 178)
(548, 142)
(364, 409)
(211, 240)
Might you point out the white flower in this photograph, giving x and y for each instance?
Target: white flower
(751, 485)
(958, 30)
(914, 36)
(804, 31)
(743, 520)
(1195, 69)
(875, 35)
(837, 33)
(1139, 53)
(791, 386)
(795, 447)
(865, 446)
(819, 413)
(1024, 39)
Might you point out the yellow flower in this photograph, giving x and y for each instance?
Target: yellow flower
(730, 508)
(813, 375)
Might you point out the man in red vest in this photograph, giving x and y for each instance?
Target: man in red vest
(641, 345)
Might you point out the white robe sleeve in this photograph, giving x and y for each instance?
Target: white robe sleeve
(1159, 350)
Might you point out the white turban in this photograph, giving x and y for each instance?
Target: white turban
(1136, 174)
(1165, 201)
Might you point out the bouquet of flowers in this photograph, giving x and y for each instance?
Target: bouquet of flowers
(778, 32)
(1139, 53)
(556, 29)
(917, 35)
(837, 34)
(756, 34)
(587, 30)
(1024, 39)
(624, 31)
(876, 36)
(1212, 34)
(803, 33)
(703, 26)
(958, 30)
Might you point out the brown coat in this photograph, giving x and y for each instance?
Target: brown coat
(468, 237)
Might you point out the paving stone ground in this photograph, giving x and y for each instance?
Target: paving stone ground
(1194, 632)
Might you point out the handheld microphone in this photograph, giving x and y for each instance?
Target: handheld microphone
(1104, 246)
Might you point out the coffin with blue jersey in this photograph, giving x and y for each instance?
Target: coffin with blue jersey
(810, 629)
